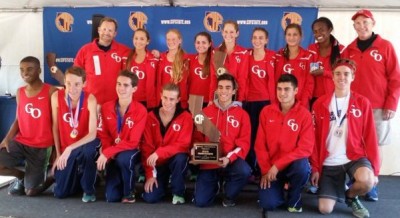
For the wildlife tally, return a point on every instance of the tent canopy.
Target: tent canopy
(38, 4)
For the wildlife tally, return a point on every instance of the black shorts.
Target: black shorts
(36, 161)
(333, 178)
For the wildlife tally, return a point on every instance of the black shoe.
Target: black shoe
(17, 187)
(228, 202)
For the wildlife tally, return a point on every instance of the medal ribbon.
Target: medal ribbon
(73, 122)
(340, 119)
(120, 120)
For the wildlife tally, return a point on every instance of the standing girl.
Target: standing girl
(260, 86)
(142, 63)
(201, 68)
(293, 59)
(236, 57)
(326, 51)
(173, 66)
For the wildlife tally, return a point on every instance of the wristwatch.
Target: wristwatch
(53, 69)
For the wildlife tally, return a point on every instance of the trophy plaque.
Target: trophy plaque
(206, 152)
(219, 61)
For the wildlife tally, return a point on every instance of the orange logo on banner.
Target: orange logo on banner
(290, 17)
(212, 21)
(64, 22)
(137, 20)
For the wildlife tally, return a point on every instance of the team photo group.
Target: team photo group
(286, 120)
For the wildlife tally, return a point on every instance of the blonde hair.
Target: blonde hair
(179, 65)
(235, 26)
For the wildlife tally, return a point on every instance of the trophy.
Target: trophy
(219, 60)
(204, 152)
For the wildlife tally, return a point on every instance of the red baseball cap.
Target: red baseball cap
(363, 12)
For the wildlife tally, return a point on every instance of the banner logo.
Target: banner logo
(289, 18)
(64, 22)
(137, 20)
(212, 21)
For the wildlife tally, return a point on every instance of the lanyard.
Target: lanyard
(73, 122)
(340, 119)
(119, 117)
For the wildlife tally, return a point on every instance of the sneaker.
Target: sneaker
(130, 199)
(141, 179)
(358, 209)
(176, 199)
(372, 195)
(88, 198)
(17, 187)
(295, 209)
(228, 202)
(193, 178)
(312, 189)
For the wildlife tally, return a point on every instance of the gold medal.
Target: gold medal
(117, 140)
(74, 133)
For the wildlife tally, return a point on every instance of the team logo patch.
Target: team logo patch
(139, 73)
(355, 111)
(176, 127)
(129, 122)
(375, 54)
(287, 68)
(293, 125)
(289, 18)
(258, 71)
(232, 121)
(64, 22)
(34, 112)
(212, 21)
(137, 20)
(199, 73)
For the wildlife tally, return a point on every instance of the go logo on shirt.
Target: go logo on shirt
(116, 57)
(176, 127)
(68, 118)
(199, 73)
(238, 59)
(259, 72)
(287, 68)
(355, 111)
(302, 65)
(168, 70)
(293, 125)
(129, 122)
(34, 112)
(140, 74)
(376, 55)
(232, 121)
